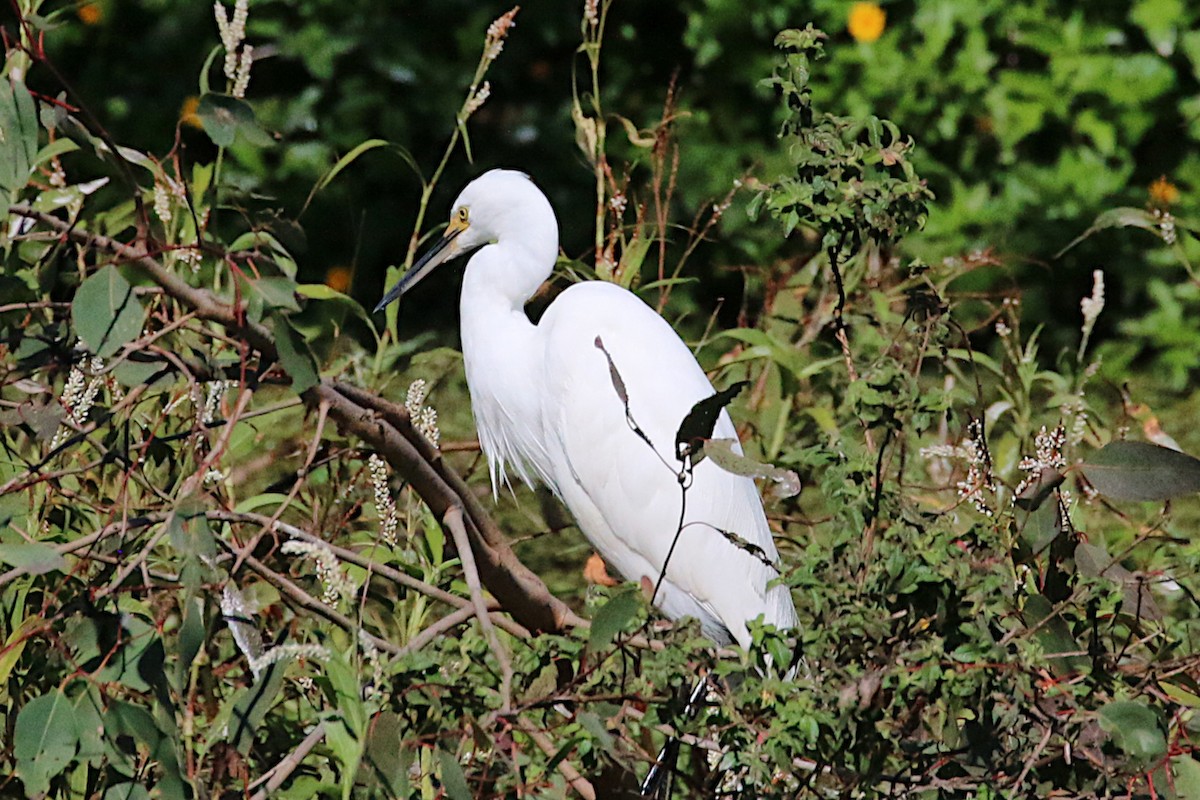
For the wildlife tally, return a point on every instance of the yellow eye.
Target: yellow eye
(463, 214)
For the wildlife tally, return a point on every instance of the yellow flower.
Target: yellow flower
(866, 21)
(187, 112)
(90, 13)
(1163, 193)
(338, 278)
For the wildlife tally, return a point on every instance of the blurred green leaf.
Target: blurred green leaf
(613, 617)
(36, 558)
(1126, 470)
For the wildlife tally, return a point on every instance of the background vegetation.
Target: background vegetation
(250, 547)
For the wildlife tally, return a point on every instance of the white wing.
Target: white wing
(626, 499)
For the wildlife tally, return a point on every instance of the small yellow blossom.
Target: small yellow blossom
(1163, 193)
(866, 22)
(187, 112)
(90, 13)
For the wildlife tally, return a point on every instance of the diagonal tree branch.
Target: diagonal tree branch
(380, 425)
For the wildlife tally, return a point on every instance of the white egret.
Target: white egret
(546, 409)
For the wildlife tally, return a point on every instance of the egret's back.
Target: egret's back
(624, 496)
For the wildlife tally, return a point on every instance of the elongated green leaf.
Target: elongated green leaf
(36, 558)
(454, 781)
(787, 483)
(105, 312)
(612, 617)
(1142, 471)
(342, 163)
(18, 145)
(44, 741)
(1115, 218)
(294, 355)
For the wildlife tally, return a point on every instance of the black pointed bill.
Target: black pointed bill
(440, 252)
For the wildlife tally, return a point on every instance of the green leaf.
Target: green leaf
(1053, 634)
(127, 791)
(612, 617)
(1115, 218)
(252, 706)
(14, 645)
(294, 355)
(105, 312)
(44, 741)
(1187, 777)
(224, 117)
(264, 295)
(342, 163)
(721, 451)
(1093, 561)
(453, 779)
(1134, 728)
(1041, 527)
(319, 291)
(36, 558)
(1142, 471)
(385, 755)
(18, 145)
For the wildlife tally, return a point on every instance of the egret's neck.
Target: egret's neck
(503, 357)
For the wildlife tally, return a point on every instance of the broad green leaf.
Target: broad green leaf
(1054, 635)
(1141, 471)
(1186, 771)
(225, 118)
(1134, 728)
(264, 295)
(454, 781)
(1093, 561)
(105, 312)
(1040, 528)
(612, 617)
(36, 558)
(347, 749)
(44, 741)
(319, 291)
(294, 355)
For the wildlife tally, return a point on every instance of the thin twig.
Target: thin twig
(279, 773)
(453, 519)
(580, 784)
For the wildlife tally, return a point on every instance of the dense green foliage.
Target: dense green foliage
(214, 586)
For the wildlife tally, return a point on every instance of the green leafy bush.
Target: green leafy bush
(236, 540)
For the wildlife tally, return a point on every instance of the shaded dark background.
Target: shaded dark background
(1030, 120)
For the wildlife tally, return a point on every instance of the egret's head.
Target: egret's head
(499, 205)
